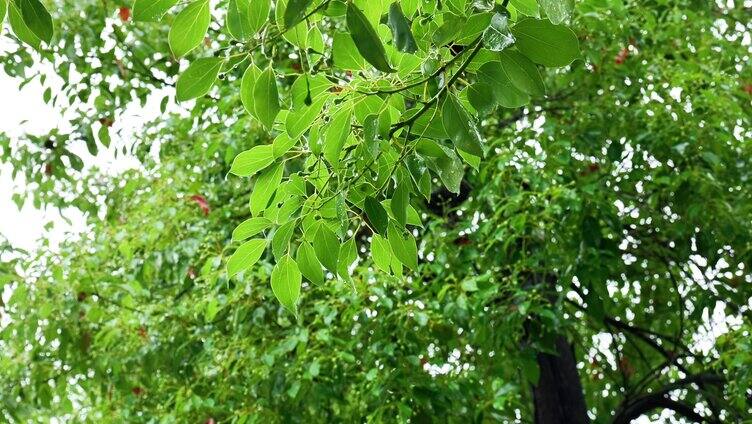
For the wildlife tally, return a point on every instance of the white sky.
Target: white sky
(23, 111)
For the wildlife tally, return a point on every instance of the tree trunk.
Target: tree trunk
(558, 397)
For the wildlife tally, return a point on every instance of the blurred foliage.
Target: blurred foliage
(614, 211)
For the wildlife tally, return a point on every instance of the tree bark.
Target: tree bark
(558, 397)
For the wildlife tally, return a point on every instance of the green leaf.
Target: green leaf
(282, 144)
(189, 28)
(404, 247)
(103, 134)
(259, 14)
(326, 245)
(298, 122)
(545, 43)
(295, 12)
(282, 237)
(249, 228)
(460, 127)
(252, 161)
(239, 19)
(264, 188)
(250, 76)
(457, 6)
(402, 35)
(366, 39)
(481, 97)
(497, 36)
(20, 29)
(286, 282)
(211, 310)
(505, 93)
(309, 265)
(308, 89)
(151, 10)
(400, 202)
(448, 165)
(526, 7)
(522, 73)
(266, 98)
(347, 255)
(475, 25)
(381, 252)
(377, 215)
(336, 135)
(448, 30)
(345, 54)
(3, 11)
(37, 18)
(530, 368)
(245, 256)
(199, 78)
(557, 11)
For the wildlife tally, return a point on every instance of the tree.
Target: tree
(372, 211)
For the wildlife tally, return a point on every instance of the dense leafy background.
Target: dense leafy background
(613, 210)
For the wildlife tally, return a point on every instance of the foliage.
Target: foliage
(433, 192)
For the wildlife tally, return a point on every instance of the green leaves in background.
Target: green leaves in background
(151, 10)
(253, 160)
(199, 78)
(286, 282)
(189, 28)
(460, 127)
(402, 35)
(366, 39)
(245, 256)
(309, 264)
(295, 12)
(545, 43)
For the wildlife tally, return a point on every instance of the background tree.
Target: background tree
(459, 211)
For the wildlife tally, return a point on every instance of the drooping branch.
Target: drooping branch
(660, 399)
(650, 403)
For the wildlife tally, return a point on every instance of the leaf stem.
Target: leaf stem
(407, 122)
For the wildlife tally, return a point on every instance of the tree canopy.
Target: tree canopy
(384, 211)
